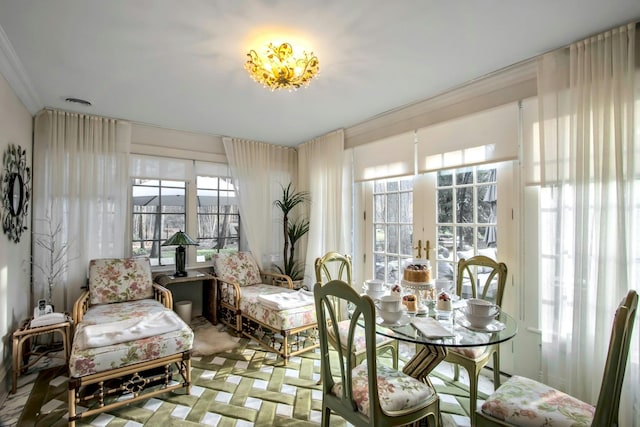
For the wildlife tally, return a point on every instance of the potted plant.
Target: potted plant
(293, 230)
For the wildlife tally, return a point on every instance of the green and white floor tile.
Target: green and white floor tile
(238, 388)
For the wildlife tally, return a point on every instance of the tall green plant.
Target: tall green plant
(293, 229)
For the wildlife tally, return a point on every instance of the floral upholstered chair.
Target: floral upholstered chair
(342, 270)
(264, 306)
(127, 339)
(368, 394)
(524, 402)
(485, 278)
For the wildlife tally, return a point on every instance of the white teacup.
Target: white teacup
(480, 307)
(391, 303)
(374, 285)
(391, 316)
(479, 321)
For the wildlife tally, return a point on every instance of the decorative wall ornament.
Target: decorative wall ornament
(16, 191)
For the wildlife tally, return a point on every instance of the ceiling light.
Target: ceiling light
(279, 68)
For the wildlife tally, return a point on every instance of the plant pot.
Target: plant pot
(297, 284)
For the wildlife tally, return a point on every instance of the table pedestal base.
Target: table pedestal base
(424, 361)
(421, 364)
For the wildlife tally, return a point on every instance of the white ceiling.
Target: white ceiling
(179, 64)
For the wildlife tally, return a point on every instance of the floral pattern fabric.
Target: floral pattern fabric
(238, 267)
(119, 279)
(528, 403)
(359, 340)
(277, 319)
(398, 392)
(91, 360)
(470, 352)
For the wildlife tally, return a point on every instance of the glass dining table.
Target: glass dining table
(432, 348)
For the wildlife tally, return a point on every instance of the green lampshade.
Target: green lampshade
(180, 239)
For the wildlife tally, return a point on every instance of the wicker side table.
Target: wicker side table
(21, 359)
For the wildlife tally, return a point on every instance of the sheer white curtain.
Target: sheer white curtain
(80, 186)
(259, 171)
(590, 174)
(325, 172)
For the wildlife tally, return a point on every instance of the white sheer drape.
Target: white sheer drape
(259, 171)
(326, 174)
(590, 212)
(81, 185)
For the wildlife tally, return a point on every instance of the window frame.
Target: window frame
(191, 175)
(137, 182)
(386, 253)
(197, 214)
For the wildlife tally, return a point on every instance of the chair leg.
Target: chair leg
(473, 395)
(496, 370)
(326, 413)
(456, 372)
(394, 355)
(72, 406)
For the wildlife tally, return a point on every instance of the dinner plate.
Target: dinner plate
(494, 326)
(404, 320)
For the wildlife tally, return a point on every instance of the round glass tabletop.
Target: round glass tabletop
(451, 331)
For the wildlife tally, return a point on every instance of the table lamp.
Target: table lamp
(181, 239)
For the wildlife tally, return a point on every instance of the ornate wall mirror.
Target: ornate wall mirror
(16, 191)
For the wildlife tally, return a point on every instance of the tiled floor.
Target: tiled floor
(11, 409)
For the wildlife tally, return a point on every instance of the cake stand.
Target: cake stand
(418, 287)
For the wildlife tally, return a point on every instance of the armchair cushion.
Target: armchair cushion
(86, 361)
(279, 320)
(238, 268)
(398, 391)
(119, 279)
(526, 402)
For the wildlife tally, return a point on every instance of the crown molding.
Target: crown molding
(498, 88)
(13, 71)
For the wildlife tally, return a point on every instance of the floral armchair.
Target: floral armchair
(264, 306)
(128, 341)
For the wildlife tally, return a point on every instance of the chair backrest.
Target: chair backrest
(363, 313)
(486, 277)
(119, 280)
(237, 267)
(608, 404)
(333, 266)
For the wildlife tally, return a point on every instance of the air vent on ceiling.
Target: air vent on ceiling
(78, 101)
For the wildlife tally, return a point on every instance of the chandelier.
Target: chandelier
(278, 68)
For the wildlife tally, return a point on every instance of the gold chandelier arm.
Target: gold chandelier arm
(278, 68)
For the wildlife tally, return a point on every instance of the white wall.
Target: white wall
(16, 127)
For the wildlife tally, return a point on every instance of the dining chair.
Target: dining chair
(334, 265)
(390, 397)
(486, 279)
(524, 402)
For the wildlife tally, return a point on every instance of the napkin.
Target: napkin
(430, 327)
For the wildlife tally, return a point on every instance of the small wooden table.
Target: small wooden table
(21, 359)
(208, 289)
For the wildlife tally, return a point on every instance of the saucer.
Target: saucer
(404, 320)
(494, 326)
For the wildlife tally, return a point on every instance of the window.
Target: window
(392, 226)
(466, 216)
(197, 197)
(218, 216)
(159, 211)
